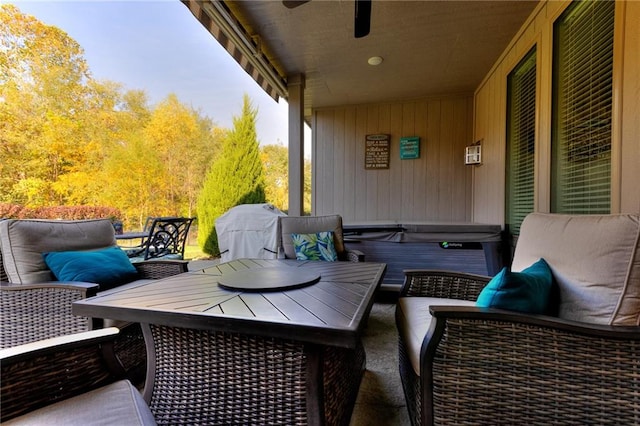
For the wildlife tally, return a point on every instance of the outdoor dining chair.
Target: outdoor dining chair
(166, 239)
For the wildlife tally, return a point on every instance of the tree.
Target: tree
(48, 106)
(307, 187)
(275, 159)
(165, 151)
(68, 139)
(236, 177)
(186, 145)
(132, 170)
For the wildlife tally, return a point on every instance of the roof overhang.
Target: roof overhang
(430, 48)
(245, 48)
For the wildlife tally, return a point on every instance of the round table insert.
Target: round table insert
(268, 279)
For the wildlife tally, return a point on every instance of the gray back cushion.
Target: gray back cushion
(22, 243)
(310, 225)
(594, 259)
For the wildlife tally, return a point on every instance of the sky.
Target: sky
(158, 46)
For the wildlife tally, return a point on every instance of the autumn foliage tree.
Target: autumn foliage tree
(236, 177)
(44, 103)
(68, 139)
(275, 159)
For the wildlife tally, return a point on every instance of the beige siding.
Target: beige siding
(437, 186)
(490, 114)
(630, 111)
(434, 187)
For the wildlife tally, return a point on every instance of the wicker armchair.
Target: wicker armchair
(69, 380)
(312, 224)
(35, 307)
(462, 364)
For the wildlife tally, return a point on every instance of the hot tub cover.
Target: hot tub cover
(423, 232)
(248, 231)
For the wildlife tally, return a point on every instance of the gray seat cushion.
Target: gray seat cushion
(413, 320)
(116, 404)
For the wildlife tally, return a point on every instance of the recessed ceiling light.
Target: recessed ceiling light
(375, 60)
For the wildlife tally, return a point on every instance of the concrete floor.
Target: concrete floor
(381, 399)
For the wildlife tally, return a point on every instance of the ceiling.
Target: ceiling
(428, 47)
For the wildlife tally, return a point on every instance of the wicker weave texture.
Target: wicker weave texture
(354, 256)
(44, 380)
(410, 385)
(219, 378)
(445, 285)
(47, 310)
(153, 270)
(3, 273)
(131, 351)
(343, 370)
(489, 372)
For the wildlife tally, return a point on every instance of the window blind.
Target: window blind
(582, 102)
(521, 116)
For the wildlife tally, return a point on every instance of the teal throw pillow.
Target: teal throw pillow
(318, 246)
(527, 291)
(108, 267)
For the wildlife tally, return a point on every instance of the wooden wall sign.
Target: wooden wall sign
(376, 152)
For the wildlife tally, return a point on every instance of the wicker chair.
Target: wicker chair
(581, 365)
(36, 307)
(69, 380)
(311, 224)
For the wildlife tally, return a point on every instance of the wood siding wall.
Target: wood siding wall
(434, 187)
(490, 114)
(438, 187)
(628, 108)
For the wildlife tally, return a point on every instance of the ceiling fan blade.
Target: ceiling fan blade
(291, 4)
(362, 18)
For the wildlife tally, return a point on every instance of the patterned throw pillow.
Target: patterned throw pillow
(318, 246)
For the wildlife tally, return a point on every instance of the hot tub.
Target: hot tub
(463, 247)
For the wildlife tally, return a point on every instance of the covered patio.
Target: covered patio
(394, 113)
(441, 76)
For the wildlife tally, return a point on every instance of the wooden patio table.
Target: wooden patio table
(221, 354)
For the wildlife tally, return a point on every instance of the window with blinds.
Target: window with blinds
(582, 102)
(521, 117)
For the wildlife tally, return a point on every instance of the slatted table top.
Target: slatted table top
(331, 311)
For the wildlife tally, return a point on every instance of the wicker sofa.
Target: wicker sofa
(579, 363)
(35, 306)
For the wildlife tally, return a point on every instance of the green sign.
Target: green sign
(410, 148)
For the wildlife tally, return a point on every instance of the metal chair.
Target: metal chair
(167, 239)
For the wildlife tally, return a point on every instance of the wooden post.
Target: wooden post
(295, 86)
